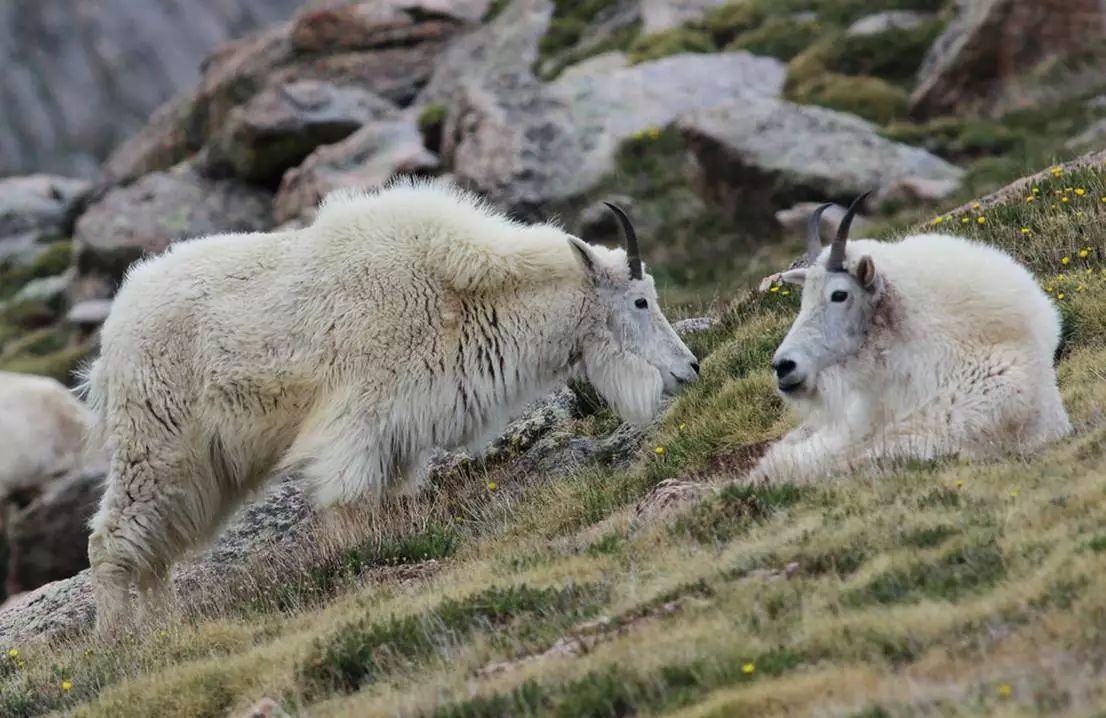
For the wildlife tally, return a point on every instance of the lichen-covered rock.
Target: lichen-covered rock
(765, 152)
(34, 211)
(990, 41)
(366, 159)
(283, 124)
(145, 217)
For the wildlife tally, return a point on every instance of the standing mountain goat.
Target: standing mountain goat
(934, 345)
(400, 320)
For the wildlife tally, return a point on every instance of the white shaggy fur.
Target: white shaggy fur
(400, 320)
(944, 347)
(42, 432)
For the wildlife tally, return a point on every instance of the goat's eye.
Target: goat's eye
(839, 296)
(641, 303)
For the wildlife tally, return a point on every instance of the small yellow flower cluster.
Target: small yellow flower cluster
(1057, 171)
(652, 133)
(67, 686)
(659, 451)
(492, 486)
(749, 668)
(780, 289)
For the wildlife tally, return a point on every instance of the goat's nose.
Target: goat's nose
(695, 366)
(783, 367)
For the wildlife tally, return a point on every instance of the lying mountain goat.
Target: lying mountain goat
(42, 433)
(400, 320)
(931, 346)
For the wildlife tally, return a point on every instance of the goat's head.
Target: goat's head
(633, 356)
(840, 298)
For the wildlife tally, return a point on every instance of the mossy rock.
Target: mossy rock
(868, 97)
(781, 38)
(670, 42)
(958, 139)
(894, 55)
(53, 259)
(27, 314)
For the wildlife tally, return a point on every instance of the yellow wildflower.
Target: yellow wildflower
(492, 486)
(1083, 253)
(13, 653)
(66, 686)
(981, 220)
(1029, 199)
(1059, 295)
(1036, 190)
(1065, 200)
(654, 133)
(683, 426)
(785, 293)
(1003, 689)
(938, 220)
(1049, 290)
(964, 220)
(1080, 288)
(748, 668)
(775, 288)
(1079, 191)
(1065, 260)
(959, 484)
(975, 205)
(637, 136)
(1025, 230)
(659, 451)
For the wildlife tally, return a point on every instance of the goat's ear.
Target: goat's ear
(587, 259)
(794, 276)
(866, 272)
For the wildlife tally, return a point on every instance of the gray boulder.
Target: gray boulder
(366, 159)
(767, 152)
(281, 125)
(525, 144)
(34, 211)
(145, 217)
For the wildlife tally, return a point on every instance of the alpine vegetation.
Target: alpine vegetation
(400, 320)
(931, 346)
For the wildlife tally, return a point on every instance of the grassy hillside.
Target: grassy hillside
(945, 588)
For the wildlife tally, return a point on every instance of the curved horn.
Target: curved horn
(836, 261)
(633, 253)
(814, 233)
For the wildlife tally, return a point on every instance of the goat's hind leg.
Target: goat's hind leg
(153, 509)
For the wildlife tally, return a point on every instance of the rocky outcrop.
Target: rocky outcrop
(364, 160)
(79, 78)
(526, 144)
(991, 41)
(379, 48)
(147, 216)
(773, 153)
(34, 211)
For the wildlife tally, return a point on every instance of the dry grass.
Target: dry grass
(946, 588)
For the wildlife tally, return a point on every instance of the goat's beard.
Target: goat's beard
(632, 386)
